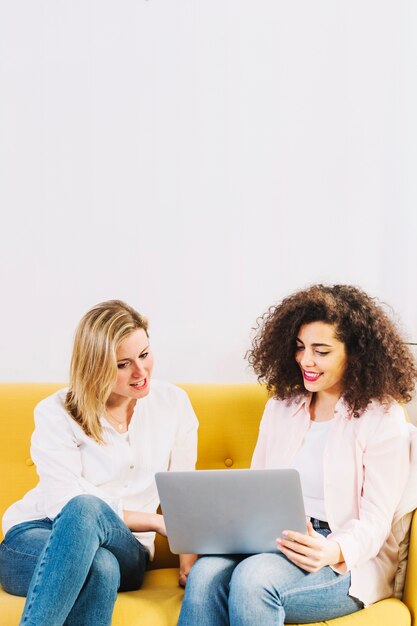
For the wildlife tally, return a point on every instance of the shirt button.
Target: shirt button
(131, 466)
(228, 462)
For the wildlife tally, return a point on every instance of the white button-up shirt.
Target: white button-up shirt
(162, 435)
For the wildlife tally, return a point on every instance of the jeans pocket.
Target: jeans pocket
(16, 570)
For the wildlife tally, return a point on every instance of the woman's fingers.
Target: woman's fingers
(307, 559)
(310, 552)
(306, 538)
(313, 552)
(309, 563)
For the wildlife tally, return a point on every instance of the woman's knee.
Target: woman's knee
(85, 506)
(105, 570)
(209, 572)
(258, 574)
(207, 590)
(256, 588)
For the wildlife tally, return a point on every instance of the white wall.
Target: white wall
(200, 160)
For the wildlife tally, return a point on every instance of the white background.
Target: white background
(200, 160)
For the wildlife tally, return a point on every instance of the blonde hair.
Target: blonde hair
(93, 370)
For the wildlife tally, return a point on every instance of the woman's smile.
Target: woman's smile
(140, 385)
(311, 376)
(318, 347)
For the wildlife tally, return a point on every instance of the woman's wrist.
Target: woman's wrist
(159, 524)
(336, 556)
(144, 522)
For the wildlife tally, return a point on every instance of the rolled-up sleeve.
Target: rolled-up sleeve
(386, 464)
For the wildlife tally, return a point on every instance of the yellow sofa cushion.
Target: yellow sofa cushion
(158, 603)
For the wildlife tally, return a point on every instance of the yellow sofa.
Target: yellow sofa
(229, 417)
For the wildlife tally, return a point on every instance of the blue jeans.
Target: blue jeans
(71, 568)
(262, 589)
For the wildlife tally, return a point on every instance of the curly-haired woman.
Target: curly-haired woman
(87, 529)
(337, 368)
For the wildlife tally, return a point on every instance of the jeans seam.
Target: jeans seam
(36, 585)
(324, 585)
(6, 547)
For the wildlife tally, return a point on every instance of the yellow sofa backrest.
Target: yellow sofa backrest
(229, 418)
(17, 471)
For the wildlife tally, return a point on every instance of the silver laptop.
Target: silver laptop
(230, 511)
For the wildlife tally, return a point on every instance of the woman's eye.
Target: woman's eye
(144, 355)
(121, 366)
(322, 353)
(298, 348)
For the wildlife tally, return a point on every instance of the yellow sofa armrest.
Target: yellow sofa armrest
(410, 589)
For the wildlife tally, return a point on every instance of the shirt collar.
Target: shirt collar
(341, 409)
(302, 403)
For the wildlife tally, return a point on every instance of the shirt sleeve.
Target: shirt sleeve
(55, 452)
(184, 450)
(386, 463)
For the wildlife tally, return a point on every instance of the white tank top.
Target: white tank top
(309, 462)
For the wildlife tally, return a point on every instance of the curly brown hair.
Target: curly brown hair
(379, 366)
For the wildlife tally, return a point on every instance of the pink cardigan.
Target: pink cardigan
(366, 467)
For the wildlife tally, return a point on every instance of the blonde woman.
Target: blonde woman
(87, 529)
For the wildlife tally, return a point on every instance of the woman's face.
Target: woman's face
(134, 363)
(322, 358)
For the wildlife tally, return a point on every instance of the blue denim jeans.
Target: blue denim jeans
(71, 568)
(262, 589)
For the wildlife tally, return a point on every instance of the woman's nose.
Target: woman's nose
(307, 358)
(139, 369)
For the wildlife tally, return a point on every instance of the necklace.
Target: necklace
(120, 425)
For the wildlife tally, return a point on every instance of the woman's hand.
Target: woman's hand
(186, 563)
(159, 524)
(143, 522)
(309, 551)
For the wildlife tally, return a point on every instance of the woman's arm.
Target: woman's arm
(386, 462)
(143, 522)
(386, 466)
